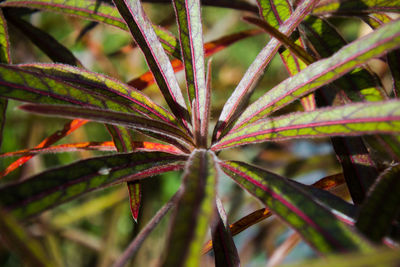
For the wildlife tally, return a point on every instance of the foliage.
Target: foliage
(331, 94)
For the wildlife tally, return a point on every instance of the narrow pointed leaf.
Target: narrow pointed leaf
(382, 205)
(210, 49)
(98, 146)
(144, 35)
(257, 216)
(316, 224)
(68, 128)
(194, 210)
(242, 92)
(355, 7)
(15, 237)
(4, 58)
(225, 252)
(275, 13)
(123, 141)
(103, 85)
(295, 48)
(349, 120)
(56, 186)
(135, 197)
(191, 37)
(158, 128)
(134, 246)
(324, 71)
(95, 10)
(45, 42)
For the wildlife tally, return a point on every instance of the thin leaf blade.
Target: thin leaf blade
(317, 225)
(381, 206)
(144, 35)
(194, 210)
(353, 55)
(242, 92)
(349, 120)
(56, 186)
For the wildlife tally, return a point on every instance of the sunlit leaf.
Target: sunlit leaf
(56, 186)
(194, 210)
(349, 120)
(103, 85)
(158, 61)
(316, 224)
(191, 37)
(355, 7)
(239, 97)
(324, 71)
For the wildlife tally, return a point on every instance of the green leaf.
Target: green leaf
(191, 37)
(235, 103)
(194, 210)
(382, 205)
(158, 129)
(15, 237)
(359, 85)
(4, 58)
(355, 7)
(56, 186)
(324, 71)
(4, 42)
(97, 11)
(275, 12)
(157, 60)
(314, 222)
(349, 120)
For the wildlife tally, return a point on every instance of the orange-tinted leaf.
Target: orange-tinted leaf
(68, 128)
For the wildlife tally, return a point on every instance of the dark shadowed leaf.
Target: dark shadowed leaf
(45, 42)
(4, 58)
(381, 206)
(56, 186)
(18, 240)
(225, 252)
